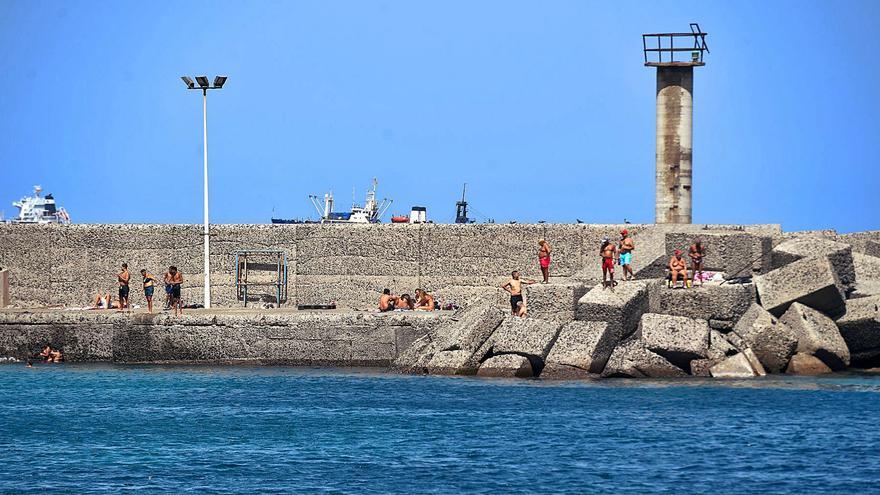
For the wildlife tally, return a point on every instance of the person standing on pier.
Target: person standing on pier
(175, 279)
(696, 253)
(608, 252)
(544, 259)
(123, 277)
(626, 248)
(149, 287)
(514, 288)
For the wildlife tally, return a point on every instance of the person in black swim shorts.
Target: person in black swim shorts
(123, 277)
(514, 287)
(175, 279)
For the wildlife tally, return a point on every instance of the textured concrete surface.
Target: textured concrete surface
(631, 359)
(806, 364)
(860, 329)
(338, 339)
(675, 99)
(506, 366)
(809, 281)
(719, 304)
(527, 337)
(817, 335)
(678, 339)
(581, 350)
(736, 366)
(737, 254)
(621, 307)
(556, 301)
(773, 342)
(839, 254)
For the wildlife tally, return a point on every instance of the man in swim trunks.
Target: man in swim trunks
(696, 253)
(123, 277)
(544, 259)
(167, 279)
(149, 286)
(386, 301)
(626, 248)
(608, 252)
(514, 288)
(677, 269)
(175, 278)
(424, 301)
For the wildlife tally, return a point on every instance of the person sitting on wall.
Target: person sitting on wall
(404, 303)
(424, 301)
(386, 301)
(677, 269)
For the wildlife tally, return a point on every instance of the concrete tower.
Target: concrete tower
(675, 108)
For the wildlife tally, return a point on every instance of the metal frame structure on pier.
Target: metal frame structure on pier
(242, 267)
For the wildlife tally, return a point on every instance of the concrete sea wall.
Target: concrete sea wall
(346, 264)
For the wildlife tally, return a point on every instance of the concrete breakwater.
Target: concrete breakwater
(348, 264)
(279, 337)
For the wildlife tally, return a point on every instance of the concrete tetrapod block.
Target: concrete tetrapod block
(621, 307)
(805, 364)
(556, 301)
(773, 342)
(677, 338)
(529, 337)
(737, 366)
(506, 365)
(582, 349)
(810, 281)
(860, 329)
(838, 253)
(631, 359)
(713, 302)
(817, 335)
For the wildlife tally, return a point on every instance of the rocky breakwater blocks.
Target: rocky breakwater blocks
(506, 366)
(556, 301)
(719, 304)
(742, 365)
(582, 349)
(817, 335)
(774, 343)
(810, 281)
(737, 254)
(528, 337)
(621, 308)
(860, 329)
(678, 339)
(457, 339)
(806, 364)
(839, 254)
(631, 359)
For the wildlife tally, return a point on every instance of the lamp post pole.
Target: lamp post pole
(204, 85)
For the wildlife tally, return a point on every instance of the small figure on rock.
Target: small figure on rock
(123, 277)
(626, 248)
(544, 259)
(424, 301)
(149, 287)
(521, 310)
(677, 269)
(52, 355)
(696, 253)
(514, 288)
(608, 252)
(387, 301)
(174, 278)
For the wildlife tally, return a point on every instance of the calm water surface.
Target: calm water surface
(111, 429)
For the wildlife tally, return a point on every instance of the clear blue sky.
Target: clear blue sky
(543, 108)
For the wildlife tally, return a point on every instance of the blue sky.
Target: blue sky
(543, 108)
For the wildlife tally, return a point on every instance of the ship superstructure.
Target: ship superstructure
(39, 209)
(370, 212)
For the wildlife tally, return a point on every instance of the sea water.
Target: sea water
(146, 429)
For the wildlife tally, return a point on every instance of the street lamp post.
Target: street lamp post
(204, 85)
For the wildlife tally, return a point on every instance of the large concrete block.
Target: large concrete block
(737, 366)
(774, 343)
(720, 346)
(867, 268)
(506, 366)
(806, 364)
(556, 301)
(860, 329)
(452, 363)
(528, 337)
(737, 254)
(713, 302)
(809, 281)
(582, 349)
(621, 308)
(817, 335)
(839, 254)
(678, 339)
(631, 359)
(867, 243)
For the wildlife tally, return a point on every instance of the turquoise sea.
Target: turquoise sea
(168, 429)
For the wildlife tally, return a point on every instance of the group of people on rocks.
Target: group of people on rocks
(172, 278)
(404, 302)
(621, 253)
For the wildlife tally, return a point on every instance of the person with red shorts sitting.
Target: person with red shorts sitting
(544, 259)
(608, 251)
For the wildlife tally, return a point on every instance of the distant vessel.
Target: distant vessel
(370, 212)
(40, 210)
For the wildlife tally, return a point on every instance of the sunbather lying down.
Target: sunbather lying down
(103, 301)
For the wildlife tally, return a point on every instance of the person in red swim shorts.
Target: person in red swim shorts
(608, 251)
(544, 259)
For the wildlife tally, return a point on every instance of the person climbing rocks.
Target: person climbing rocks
(626, 248)
(608, 252)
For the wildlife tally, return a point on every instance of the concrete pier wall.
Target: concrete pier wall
(348, 264)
